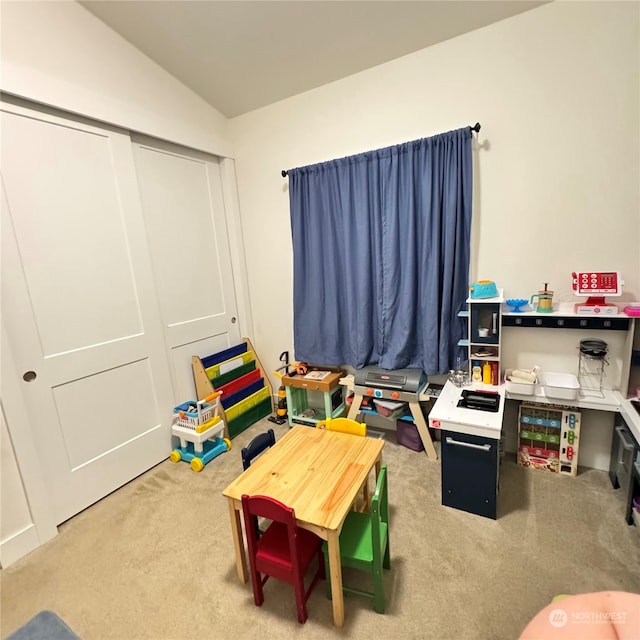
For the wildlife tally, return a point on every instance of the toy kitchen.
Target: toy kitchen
(470, 422)
(469, 411)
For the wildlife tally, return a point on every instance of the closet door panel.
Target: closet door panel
(186, 230)
(80, 306)
(177, 206)
(67, 186)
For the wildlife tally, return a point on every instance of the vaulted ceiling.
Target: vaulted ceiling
(241, 55)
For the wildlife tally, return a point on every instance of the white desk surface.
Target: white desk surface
(567, 310)
(610, 401)
(488, 423)
(447, 415)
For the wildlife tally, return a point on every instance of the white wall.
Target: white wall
(556, 90)
(59, 54)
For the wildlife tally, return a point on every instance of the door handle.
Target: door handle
(482, 447)
(29, 376)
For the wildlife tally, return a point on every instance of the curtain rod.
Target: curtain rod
(476, 127)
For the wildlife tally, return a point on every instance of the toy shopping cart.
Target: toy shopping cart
(199, 428)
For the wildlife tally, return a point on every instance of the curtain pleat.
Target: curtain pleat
(381, 245)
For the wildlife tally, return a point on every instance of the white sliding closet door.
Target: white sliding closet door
(186, 230)
(80, 306)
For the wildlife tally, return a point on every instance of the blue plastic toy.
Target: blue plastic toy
(517, 303)
(197, 459)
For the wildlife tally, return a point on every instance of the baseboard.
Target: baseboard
(18, 545)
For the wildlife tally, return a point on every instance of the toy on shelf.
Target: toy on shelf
(287, 370)
(549, 438)
(545, 300)
(290, 369)
(517, 304)
(284, 370)
(199, 428)
(281, 409)
(595, 285)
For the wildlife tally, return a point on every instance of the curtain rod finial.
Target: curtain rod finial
(284, 173)
(476, 127)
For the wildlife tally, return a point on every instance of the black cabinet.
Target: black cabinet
(624, 451)
(554, 321)
(470, 466)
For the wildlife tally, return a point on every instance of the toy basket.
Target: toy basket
(198, 415)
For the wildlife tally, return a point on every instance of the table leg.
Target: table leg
(366, 498)
(238, 542)
(291, 407)
(335, 567)
(423, 430)
(354, 410)
(365, 493)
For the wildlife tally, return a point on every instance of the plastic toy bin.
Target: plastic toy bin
(562, 386)
(187, 414)
(521, 388)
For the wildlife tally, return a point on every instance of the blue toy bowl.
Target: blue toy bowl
(516, 303)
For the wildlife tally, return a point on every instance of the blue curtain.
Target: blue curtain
(381, 255)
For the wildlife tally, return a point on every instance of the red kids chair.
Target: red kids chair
(284, 551)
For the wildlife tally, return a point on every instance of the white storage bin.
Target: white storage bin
(518, 388)
(390, 409)
(562, 386)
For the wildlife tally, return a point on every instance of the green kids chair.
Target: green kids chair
(364, 543)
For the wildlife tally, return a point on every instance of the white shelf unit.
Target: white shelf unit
(484, 327)
(595, 392)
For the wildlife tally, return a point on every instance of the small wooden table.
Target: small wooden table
(297, 390)
(319, 474)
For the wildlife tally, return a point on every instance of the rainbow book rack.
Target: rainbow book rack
(238, 374)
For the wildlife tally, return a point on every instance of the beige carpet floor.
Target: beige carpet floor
(154, 560)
